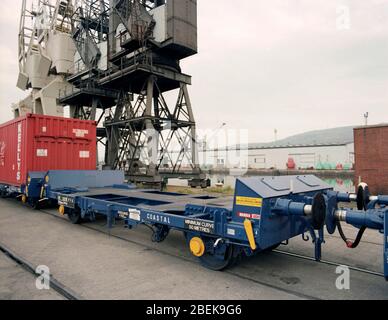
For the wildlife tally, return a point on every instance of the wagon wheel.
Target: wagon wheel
(217, 259)
(74, 216)
(220, 261)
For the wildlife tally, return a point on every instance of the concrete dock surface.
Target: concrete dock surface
(18, 284)
(127, 265)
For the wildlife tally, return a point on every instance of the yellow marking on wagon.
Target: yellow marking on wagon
(249, 202)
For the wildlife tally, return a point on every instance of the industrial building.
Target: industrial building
(371, 157)
(321, 149)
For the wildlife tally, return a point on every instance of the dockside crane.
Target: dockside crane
(113, 61)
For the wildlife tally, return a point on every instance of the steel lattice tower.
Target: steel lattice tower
(113, 62)
(142, 44)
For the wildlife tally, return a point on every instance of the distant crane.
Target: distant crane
(206, 140)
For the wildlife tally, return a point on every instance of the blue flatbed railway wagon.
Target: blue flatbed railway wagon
(263, 213)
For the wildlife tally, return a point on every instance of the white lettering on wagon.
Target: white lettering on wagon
(231, 232)
(158, 218)
(19, 153)
(134, 214)
(199, 226)
(66, 201)
(249, 215)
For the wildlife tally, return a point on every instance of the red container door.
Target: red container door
(62, 144)
(59, 154)
(13, 152)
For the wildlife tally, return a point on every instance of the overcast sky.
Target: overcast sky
(293, 65)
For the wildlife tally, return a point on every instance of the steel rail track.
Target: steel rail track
(263, 283)
(298, 256)
(72, 296)
(287, 253)
(57, 286)
(352, 238)
(330, 263)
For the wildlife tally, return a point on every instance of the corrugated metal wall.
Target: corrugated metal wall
(42, 143)
(12, 151)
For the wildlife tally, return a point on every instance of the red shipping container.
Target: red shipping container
(42, 143)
